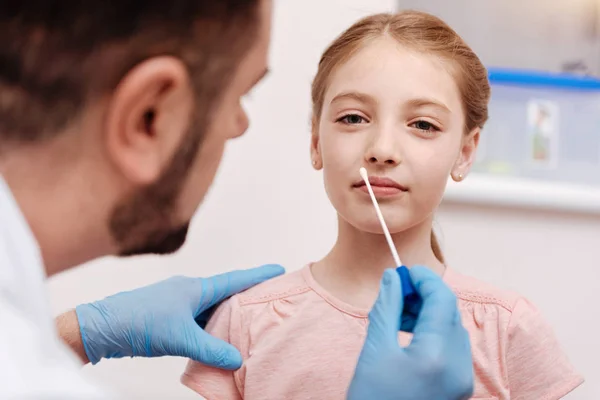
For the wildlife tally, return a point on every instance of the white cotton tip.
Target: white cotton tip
(364, 175)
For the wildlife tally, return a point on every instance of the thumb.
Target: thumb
(211, 351)
(215, 289)
(384, 318)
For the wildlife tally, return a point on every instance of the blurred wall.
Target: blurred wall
(268, 205)
(539, 34)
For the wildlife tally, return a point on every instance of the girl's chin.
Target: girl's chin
(373, 226)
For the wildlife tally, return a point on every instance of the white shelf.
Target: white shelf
(524, 193)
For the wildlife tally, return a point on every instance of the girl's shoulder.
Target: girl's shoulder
(475, 291)
(512, 342)
(285, 286)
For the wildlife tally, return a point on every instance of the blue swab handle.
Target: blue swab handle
(412, 301)
(408, 290)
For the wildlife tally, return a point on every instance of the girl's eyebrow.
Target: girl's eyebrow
(412, 103)
(428, 102)
(358, 96)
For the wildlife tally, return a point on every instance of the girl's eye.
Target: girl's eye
(351, 119)
(425, 126)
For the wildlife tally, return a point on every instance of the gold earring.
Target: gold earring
(314, 163)
(460, 177)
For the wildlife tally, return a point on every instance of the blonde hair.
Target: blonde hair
(420, 32)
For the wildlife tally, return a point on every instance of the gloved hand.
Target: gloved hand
(437, 364)
(164, 319)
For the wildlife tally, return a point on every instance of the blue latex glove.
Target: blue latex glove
(166, 319)
(436, 365)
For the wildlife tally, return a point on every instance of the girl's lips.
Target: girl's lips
(381, 186)
(381, 191)
(381, 183)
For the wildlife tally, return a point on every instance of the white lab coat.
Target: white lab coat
(34, 363)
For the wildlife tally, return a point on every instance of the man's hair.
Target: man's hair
(58, 55)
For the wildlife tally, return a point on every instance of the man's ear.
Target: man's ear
(148, 115)
(466, 157)
(315, 149)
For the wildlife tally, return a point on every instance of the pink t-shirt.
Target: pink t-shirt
(299, 342)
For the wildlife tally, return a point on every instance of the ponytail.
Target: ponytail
(435, 246)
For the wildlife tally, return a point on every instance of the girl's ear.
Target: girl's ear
(315, 147)
(467, 154)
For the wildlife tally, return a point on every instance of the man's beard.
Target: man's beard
(145, 222)
(160, 243)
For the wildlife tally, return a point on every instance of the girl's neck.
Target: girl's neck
(353, 268)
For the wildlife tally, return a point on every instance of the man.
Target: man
(113, 121)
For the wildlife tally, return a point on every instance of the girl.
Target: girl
(403, 96)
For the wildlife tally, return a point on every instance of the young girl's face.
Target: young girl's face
(398, 113)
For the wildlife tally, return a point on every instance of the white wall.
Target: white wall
(266, 189)
(539, 34)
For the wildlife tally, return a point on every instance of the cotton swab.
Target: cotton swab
(386, 232)
(412, 300)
